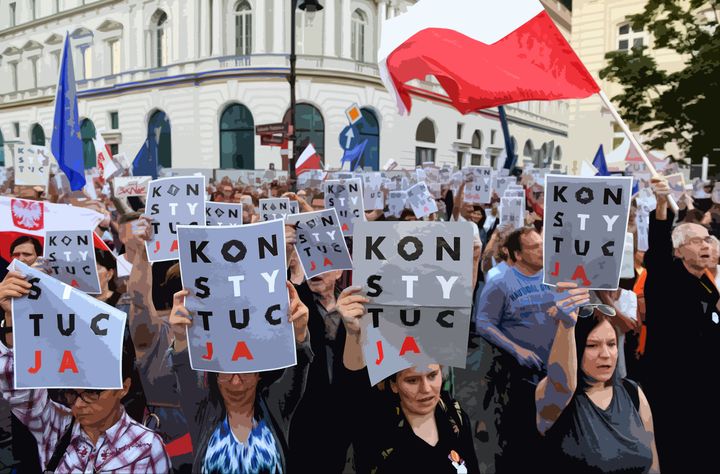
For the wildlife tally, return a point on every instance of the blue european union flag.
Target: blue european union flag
(145, 162)
(66, 143)
(600, 164)
(353, 155)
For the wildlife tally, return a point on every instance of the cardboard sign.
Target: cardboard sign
(239, 298)
(646, 202)
(627, 270)
(373, 196)
(677, 185)
(421, 201)
(32, 165)
(277, 208)
(126, 186)
(171, 202)
(64, 338)
(70, 255)
(512, 211)
(223, 213)
(418, 276)
(479, 190)
(501, 183)
(346, 197)
(585, 225)
(397, 201)
(320, 244)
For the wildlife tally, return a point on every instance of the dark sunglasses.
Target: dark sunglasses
(588, 310)
(88, 396)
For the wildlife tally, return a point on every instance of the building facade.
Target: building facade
(198, 75)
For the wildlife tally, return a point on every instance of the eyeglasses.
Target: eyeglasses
(228, 377)
(587, 310)
(699, 240)
(88, 396)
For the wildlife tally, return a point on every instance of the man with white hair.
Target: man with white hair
(713, 268)
(681, 350)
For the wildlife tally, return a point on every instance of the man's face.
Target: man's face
(696, 250)
(532, 250)
(25, 253)
(92, 407)
(325, 283)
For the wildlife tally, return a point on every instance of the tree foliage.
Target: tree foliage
(680, 106)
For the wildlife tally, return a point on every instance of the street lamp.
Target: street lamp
(310, 6)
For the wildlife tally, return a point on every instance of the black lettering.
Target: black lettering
(269, 312)
(83, 240)
(558, 193)
(584, 200)
(372, 282)
(617, 198)
(607, 248)
(71, 324)
(197, 251)
(205, 315)
(200, 285)
(454, 252)
(410, 257)
(372, 248)
(558, 241)
(156, 191)
(375, 312)
(404, 319)
(230, 245)
(264, 245)
(94, 324)
(245, 320)
(558, 219)
(441, 319)
(36, 317)
(193, 189)
(585, 250)
(35, 290)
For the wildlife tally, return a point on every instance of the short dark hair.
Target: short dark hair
(513, 242)
(25, 239)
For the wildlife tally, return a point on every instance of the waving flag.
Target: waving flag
(309, 159)
(145, 162)
(66, 143)
(353, 155)
(484, 54)
(600, 164)
(105, 163)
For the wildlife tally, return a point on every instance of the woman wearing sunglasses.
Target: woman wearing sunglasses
(592, 420)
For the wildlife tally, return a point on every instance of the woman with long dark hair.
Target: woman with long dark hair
(592, 420)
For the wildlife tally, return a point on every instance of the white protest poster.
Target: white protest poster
(512, 211)
(223, 213)
(373, 197)
(70, 255)
(126, 186)
(676, 182)
(319, 242)
(397, 201)
(479, 190)
(418, 276)
(239, 299)
(346, 197)
(421, 201)
(645, 204)
(584, 233)
(627, 270)
(171, 202)
(32, 165)
(64, 338)
(277, 208)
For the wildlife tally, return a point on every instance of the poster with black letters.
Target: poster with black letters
(421, 201)
(64, 338)
(178, 200)
(479, 189)
(70, 257)
(238, 299)
(512, 211)
(397, 201)
(584, 234)
(319, 242)
(418, 276)
(32, 165)
(223, 213)
(373, 196)
(501, 183)
(277, 208)
(347, 199)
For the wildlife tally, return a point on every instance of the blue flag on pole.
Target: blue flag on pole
(145, 162)
(599, 163)
(66, 143)
(353, 155)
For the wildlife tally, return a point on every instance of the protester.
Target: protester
(26, 249)
(593, 420)
(410, 426)
(241, 421)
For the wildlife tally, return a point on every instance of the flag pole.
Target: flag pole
(635, 143)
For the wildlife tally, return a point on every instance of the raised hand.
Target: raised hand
(180, 319)
(298, 314)
(351, 306)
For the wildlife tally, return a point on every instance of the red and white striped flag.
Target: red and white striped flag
(105, 163)
(309, 159)
(484, 53)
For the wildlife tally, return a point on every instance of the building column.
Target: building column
(216, 39)
(278, 45)
(329, 29)
(203, 30)
(259, 32)
(345, 28)
(141, 35)
(381, 17)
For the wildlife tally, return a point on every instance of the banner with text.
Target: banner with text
(319, 242)
(70, 257)
(345, 195)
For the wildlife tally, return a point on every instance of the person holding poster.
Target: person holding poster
(593, 420)
(91, 431)
(241, 420)
(406, 424)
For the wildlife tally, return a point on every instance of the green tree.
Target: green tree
(681, 106)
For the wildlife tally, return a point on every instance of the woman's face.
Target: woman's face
(419, 391)
(601, 353)
(104, 275)
(236, 388)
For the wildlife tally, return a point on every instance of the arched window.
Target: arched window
(476, 144)
(37, 135)
(357, 37)
(370, 131)
(528, 149)
(87, 133)
(309, 128)
(557, 158)
(425, 133)
(160, 139)
(237, 138)
(243, 29)
(2, 149)
(159, 39)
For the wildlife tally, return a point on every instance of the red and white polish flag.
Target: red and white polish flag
(105, 163)
(484, 53)
(309, 159)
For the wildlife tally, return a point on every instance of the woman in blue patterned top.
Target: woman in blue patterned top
(241, 421)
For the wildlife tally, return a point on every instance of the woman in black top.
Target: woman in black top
(593, 422)
(409, 426)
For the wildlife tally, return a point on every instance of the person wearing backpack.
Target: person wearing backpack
(409, 425)
(591, 419)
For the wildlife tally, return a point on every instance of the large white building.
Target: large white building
(197, 76)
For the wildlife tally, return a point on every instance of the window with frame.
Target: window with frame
(114, 120)
(159, 39)
(13, 10)
(114, 56)
(630, 37)
(243, 29)
(357, 38)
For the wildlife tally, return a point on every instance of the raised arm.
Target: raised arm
(458, 201)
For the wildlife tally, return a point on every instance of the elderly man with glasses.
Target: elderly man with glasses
(682, 341)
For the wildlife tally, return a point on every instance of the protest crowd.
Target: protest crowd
(338, 384)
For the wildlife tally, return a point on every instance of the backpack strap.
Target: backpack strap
(632, 390)
(60, 448)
